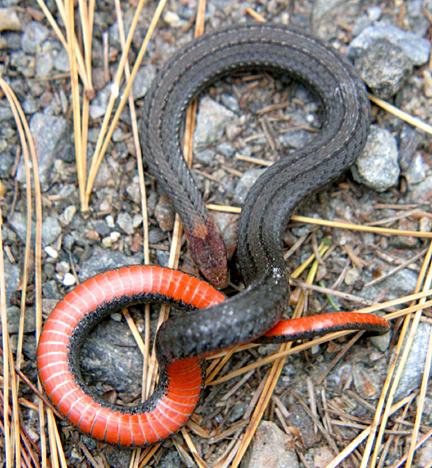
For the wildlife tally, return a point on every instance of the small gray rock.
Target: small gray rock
(416, 172)
(212, 119)
(422, 192)
(205, 156)
(99, 104)
(106, 259)
(377, 167)
(34, 34)
(12, 277)
(245, 183)
(143, 80)
(414, 367)
(51, 139)
(51, 229)
(400, 284)
(271, 448)
(415, 47)
(384, 68)
(326, 12)
(124, 220)
(14, 316)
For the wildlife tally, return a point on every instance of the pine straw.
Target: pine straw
(10, 380)
(80, 69)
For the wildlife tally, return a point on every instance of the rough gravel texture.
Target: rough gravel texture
(258, 116)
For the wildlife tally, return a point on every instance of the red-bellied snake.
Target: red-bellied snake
(256, 312)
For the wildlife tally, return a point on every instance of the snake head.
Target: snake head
(208, 252)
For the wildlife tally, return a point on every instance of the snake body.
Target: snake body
(255, 313)
(275, 194)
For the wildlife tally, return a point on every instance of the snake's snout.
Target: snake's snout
(209, 253)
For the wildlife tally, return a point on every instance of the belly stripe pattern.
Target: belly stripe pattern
(253, 314)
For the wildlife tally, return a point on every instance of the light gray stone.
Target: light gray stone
(50, 134)
(415, 47)
(271, 448)
(384, 67)
(414, 367)
(245, 183)
(377, 167)
(124, 220)
(143, 80)
(212, 119)
(34, 35)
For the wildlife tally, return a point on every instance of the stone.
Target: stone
(51, 229)
(416, 171)
(212, 119)
(415, 47)
(9, 20)
(124, 220)
(377, 167)
(422, 192)
(400, 284)
(245, 183)
(384, 67)
(271, 448)
(415, 365)
(34, 35)
(51, 138)
(143, 80)
(103, 260)
(325, 14)
(164, 214)
(99, 103)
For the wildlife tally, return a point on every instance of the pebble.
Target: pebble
(50, 134)
(325, 15)
(69, 279)
(424, 454)
(381, 342)
(143, 80)
(103, 260)
(68, 214)
(416, 171)
(383, 67)
(14, 317)
(34, 35)
(124, 220)
(322, 456)
(377, 167)
(227, 224)
(164, 213)
(51, 251)
(271, 448)
(414, 367)
(99, 103)
(245, 183)
(400, 284)
(9, 20)
(422, 192)
(212, 119)
(12, 278)
(50, 228)
(414, 47)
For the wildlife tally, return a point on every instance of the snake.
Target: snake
(255, 313)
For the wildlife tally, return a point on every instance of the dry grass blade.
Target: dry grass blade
(335, 224)
(102, 145)
(394, 373)
(38, 239)
(414, 121)
(7, 429)
(274, 373)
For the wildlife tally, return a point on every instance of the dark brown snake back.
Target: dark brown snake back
(276, 193)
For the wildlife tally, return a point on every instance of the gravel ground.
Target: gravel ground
(259, 116)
